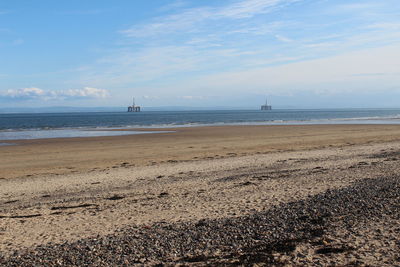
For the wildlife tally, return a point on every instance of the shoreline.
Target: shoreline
(151, 129)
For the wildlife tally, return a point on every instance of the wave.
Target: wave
(393, 117)
(230, 120)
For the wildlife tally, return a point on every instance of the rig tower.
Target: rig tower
(133, 108)
(266, 106)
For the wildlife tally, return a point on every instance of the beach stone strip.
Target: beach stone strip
(260, 238)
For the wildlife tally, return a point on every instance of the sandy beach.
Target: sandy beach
(225, 195)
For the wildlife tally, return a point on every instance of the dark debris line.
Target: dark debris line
(231, 241)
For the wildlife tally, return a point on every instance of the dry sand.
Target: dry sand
(68, 189)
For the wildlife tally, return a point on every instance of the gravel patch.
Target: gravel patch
(270, 237)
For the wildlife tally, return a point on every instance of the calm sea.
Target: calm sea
(47, 125)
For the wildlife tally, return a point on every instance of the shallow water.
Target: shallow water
(66, 133)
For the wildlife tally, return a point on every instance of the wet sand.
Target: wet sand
(72, 155)
(211, 195)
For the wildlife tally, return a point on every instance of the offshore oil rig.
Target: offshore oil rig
(133, 108)
(266, 106)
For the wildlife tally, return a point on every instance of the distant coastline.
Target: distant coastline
(67, 109)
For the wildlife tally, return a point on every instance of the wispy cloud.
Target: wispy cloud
(150, 97)
(367, 5)
(37, 93)
(195, 19)
(373, 74)
(250, 8)
(86, 92)
(193, 97)
(253, 45)
(283, 38)
(385, 26)
(169, 24)
(360, 71)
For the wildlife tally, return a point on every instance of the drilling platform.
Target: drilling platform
(266, 106)
(133, 108)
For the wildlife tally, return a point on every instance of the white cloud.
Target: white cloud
(192, 97)
(87, 92)
(149, 97)
(37, 93)
(31, 92)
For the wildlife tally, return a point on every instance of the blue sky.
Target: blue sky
(299, 53)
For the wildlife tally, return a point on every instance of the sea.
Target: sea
(17, 126)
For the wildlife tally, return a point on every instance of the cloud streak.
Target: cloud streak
(32, 93)
(235, 46)
(361, 71)
(250, 8)
(194, 20)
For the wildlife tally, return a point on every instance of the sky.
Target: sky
(200, 53)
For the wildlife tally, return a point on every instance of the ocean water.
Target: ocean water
(48, 125)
